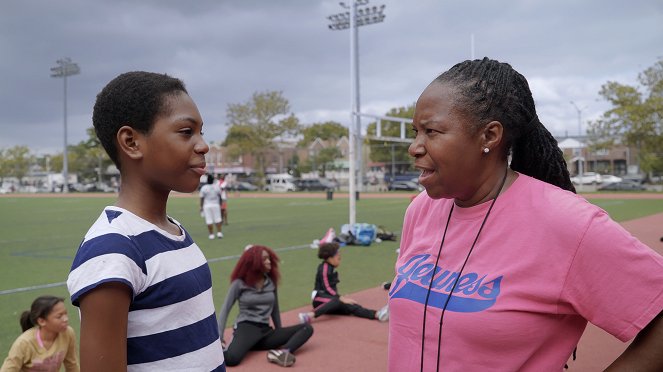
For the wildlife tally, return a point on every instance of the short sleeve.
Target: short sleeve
(103, 259)
(614, 281)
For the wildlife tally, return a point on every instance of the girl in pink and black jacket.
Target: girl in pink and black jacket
(326, 299)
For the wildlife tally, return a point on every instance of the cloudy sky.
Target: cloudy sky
(225, 50)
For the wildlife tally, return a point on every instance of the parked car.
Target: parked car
(609, 178)
(243, 186)
(588, 178)
(314, 184)
(622, 186)
(281, 182)
(405, 185)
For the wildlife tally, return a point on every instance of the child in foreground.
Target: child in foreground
(143, 286)
(326, 299)
(47, 340)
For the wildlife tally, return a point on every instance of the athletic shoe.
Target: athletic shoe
(219, 235)
(304, 318)
(284, 358)
(383, 313)
(211, 236)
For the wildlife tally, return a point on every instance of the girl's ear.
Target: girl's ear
(41, 322)
(491, 135)
(128, 142)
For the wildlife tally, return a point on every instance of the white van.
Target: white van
(282, 182)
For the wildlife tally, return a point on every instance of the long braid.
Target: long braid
(491, 90)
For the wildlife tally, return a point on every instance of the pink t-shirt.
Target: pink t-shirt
(546, 262)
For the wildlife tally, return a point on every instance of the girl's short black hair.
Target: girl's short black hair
(135, 99)
(327, 250)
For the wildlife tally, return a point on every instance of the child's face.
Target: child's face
(57, 320)
(174, 150)
(335, 260)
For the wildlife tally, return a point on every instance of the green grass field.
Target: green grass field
(40, 237)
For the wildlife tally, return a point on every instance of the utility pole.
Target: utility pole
(352, 19)
(65, 68)
(579, 110)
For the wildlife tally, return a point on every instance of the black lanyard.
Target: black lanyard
(460, 273)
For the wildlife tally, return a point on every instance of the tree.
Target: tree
(17, 161)
(255, 124)
(325, 131)
(4, 165)
(87, 159)
(330, 132)
(635, 117)
(390, 152)
(326, 156)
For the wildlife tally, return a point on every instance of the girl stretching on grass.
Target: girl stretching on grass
(253, 284)
(326, 299)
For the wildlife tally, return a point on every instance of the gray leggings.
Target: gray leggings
(258, 336)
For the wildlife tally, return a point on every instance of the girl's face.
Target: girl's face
(57, 320)
(173, 152)
(335, 260)
(266, 262)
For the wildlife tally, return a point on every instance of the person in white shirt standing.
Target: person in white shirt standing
(210, 206)
(223, 184)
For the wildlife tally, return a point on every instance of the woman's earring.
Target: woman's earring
(486, 150)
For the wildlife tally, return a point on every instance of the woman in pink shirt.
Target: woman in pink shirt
(501, 264)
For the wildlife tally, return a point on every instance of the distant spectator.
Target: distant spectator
(210, 206)
(223, 185)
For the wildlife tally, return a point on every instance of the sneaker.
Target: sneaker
(284, 358)
(383, 313)
(211, 236)
(219, 235)
(304, 318)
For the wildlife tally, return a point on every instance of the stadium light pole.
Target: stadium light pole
(65, 68)
(579, 110)
(352, 19)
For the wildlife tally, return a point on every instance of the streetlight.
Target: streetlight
(65, 68)
(352, 19)
(579, 110)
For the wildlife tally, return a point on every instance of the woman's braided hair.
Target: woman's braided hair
(491, 90)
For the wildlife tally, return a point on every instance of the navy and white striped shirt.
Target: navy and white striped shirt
(172, 323)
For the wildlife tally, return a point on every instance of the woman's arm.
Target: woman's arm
(104, 319)
(276, 313)
(231, 297)
(645, 352)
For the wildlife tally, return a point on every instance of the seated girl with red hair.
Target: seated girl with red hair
(253, 285)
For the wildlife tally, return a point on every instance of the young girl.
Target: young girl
(47, 340)
(253, 284)
(326, 299)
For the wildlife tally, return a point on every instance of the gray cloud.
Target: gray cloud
(226, 50)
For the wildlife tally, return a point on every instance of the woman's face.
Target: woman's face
(448, 156)
(57, 320)
(266, 262)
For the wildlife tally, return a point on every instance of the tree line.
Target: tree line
(255, 127)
